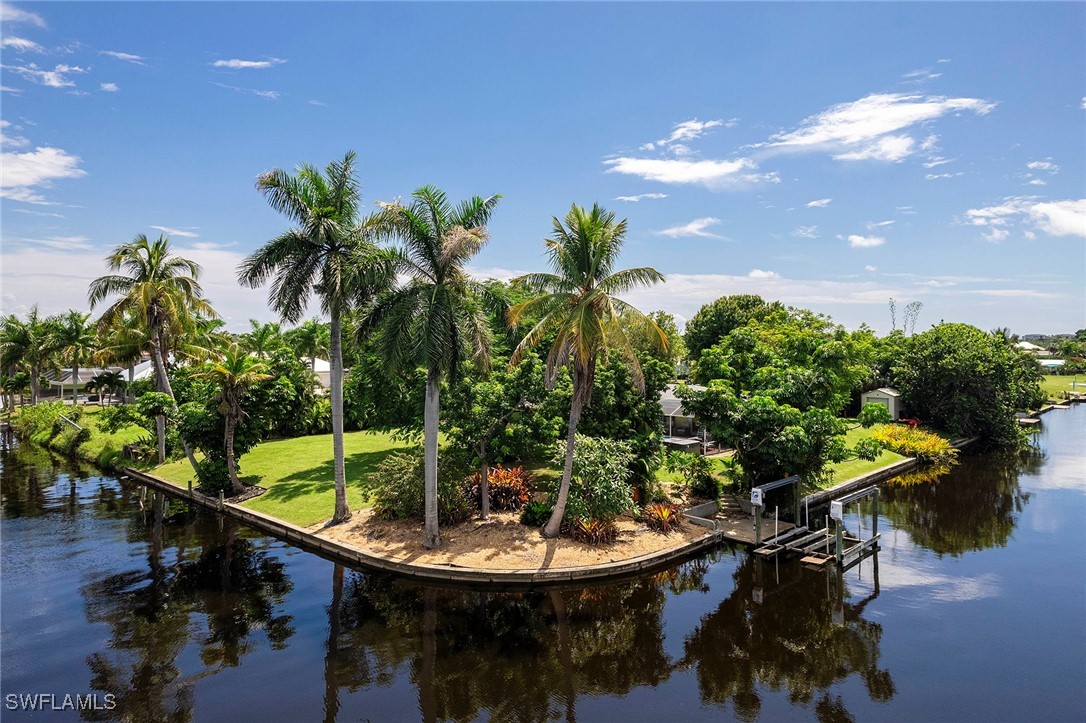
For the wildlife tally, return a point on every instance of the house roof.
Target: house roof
(671, 405)
(1029, 347)
(884, 390)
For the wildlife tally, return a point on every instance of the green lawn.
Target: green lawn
(298, 474)
(847, 470)
(1054, 385)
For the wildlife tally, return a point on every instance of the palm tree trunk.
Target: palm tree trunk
(331, 685)
(34, 384)
(427, 694)
(554, 524)
(484, 487)
(75, 384)
(164, 386)
(343, 511)
(131, 378)
(230, 468)
(432, 536)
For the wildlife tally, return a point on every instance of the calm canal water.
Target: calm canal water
(975, 609)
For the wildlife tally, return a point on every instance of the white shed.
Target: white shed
(891, 398)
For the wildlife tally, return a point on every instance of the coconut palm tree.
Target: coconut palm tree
(123, 342)
(309, 339)
(437, 318)
(30, 344)
(576, 303)
(161, 290)
(326, 254)
(233, 373)
(77, 342)
(107, 381)
(262, 339)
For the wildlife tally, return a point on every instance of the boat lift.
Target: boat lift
(837, 513)
(757, 501)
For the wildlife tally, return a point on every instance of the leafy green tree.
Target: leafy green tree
(577, 303)
(645, 341)
(324, 254)
(30, 344)
(161, 291)
(309, 339)
(438, 317)
(967, 382)
(714, 321)
(600, 487)
(76, 342)
(262, 339)
(233, 373)
(123, 342)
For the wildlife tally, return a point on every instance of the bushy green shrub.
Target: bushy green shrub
(213, 477)
(399, 490)
(536, 514)
(509, 488)
(38, 419)
(697, 473)
(599, 487)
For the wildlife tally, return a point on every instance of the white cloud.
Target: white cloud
(237, 64)
(937, 161)
(176, 231)
(38, 213)
(317, 102)
(871, 269)
(712, 174)
(266, 94)
(805, 232)
(1083, 104)
(921, 74)
(865, 242)
(11, 14)
(906, 210)
(1038, 182)
(1061, 218)
(60, 243)
(20, 45)
(759, 274)
(1046, 165)
(694, 228)
(109, 87)
(9, 89)
(937, 176)
(20, 173)
(996, 234)
(820, 203)
(55, 78)
(689, 130)
(9, 140)
(871, 127)
(127, 57)
(1056, 218)
(640, 196)
(880, 224)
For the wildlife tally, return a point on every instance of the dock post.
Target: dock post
(757, 524)
(220, 500)
(840, 541)
(875, 514)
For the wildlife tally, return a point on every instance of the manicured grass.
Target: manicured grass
(1054, 385)
(854, 468)
(298, 474)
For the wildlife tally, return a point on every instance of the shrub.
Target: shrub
(213, 477)
(594, 532)
(508, 487)
(913, 442)
(599, 488)
(536, 514)
(38, 419)
(399, 488)
(697, 473)
(662, 516)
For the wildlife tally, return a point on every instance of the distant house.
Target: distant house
(1031, 348)
(681, 428)
(890, 398)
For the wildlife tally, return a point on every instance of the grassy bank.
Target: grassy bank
(1055, 386)
(298, 474)
(42, 425)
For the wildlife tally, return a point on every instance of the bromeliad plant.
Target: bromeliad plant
(509, 488)
(662, 516)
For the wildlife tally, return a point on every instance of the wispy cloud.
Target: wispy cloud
(760, 274)
(640, 196)
(938, 176)
(709, 173)
(317, 102)
(20, 45)
(60, 243)
(696, 228)
(820, 203)
(55, 78)
(873, 127)
(873, 225)
(1056, 218)
(10, 139)
(920, 75)
(12, 15)
(266, 94)
(238, 64)
(126, 57)
(805, 232)
(857, 241)
(176, 231)
(43, 214)
(109, 87)
(22, 173)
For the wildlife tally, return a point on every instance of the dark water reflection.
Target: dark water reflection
(184, 616)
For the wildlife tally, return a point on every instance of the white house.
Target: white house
(890, 398)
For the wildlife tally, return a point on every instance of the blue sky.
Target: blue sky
(828, 155)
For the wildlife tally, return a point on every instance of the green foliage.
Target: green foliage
(913, 442)
(965, 381)
(662, 516)
(715, 321)
(599, 487)
(400, 489)
(536, 514)
(154, 404)
(37, 420)
(872, 414)
(509, 487)
(696, 471)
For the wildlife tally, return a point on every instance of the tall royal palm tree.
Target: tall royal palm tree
(326, 254)
(233, 373)
(161, 290)
(30, 344)
(577, 304)
(437, 318)
(77, 343)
